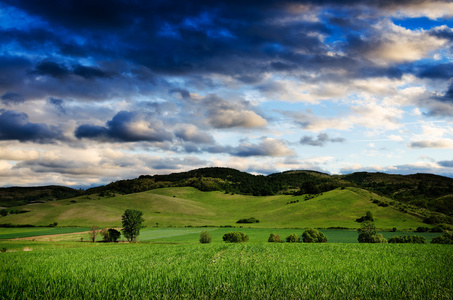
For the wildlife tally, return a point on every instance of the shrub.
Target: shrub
(292, 238)
(3, 250)
(367, 217)
(313, 236)
(422, 229)
(368, 234)
(413, 239)
(436, 229)
(235, 237)
(205, 237)
(274, 238)
(114, 235)
(249, 220)
(447, 238)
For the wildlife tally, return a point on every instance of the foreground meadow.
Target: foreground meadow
(225, 271)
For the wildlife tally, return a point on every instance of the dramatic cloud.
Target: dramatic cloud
(125, 127)
(16, 126)
(92, 92)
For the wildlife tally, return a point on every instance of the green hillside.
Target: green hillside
(187, 206)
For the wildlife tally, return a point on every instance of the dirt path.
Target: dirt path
(53, 237)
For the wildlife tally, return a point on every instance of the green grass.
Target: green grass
(227, 271)
(189, 206)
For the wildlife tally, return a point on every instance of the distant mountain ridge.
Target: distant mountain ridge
(428, 191)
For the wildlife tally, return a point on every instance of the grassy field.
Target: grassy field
(226, 271)
(189, 206)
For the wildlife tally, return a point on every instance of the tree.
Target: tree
(110, 235)
(114, 235)
(292, 238)
(274, 238)
(93, 233)
(132, 223)
(313, 236)
(368, 234)
(368, 217)
(235, 237)
(447, 238)
(205, 237)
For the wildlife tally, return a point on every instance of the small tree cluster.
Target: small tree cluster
(313, 236)
(110, 235)
(367, 217)
(249, 220)
(447, 238)
(205, 237)
(368, 234)
(292, 238)
(235, 237)
(413, 239)
(274, 238)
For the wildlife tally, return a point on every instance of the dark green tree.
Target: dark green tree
(368, 233)
(274, 238)
(292, 238)
(132, 223)
(235, 237)
(447, 238)
(114, 235)
(313, 236)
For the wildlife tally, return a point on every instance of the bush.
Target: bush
(235, 237)
(368, 234)
(274, 238)
(422, 229)
(447, 238)
(114, 235)
(205, 237)
(413, 239)
(436, 229)
(292, 238)
(313, 236)
(367, 217)
(249, 220)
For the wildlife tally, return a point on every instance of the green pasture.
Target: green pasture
(188, 206)
(225, 271)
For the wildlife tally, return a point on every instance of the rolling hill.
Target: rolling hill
(425, 197)
(187, 206)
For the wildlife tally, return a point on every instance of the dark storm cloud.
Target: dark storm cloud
(12, 98)
(240, 39)
(52, 69)
(57, 70)
(321, 140)
(16, 126)
(125, 127)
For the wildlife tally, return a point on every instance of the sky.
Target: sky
(97, 91)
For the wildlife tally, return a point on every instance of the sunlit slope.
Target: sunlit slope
(186, 206)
